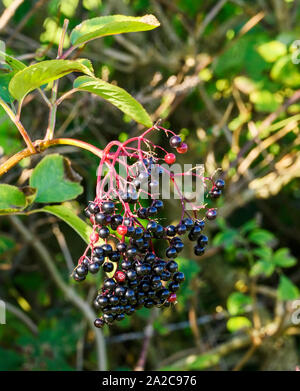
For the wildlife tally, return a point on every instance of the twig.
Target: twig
(19, 125)
(9, 13)
(23, 22)
(64, 247)
(209, 17)
(22, 316)
(69, 292)
(41, 146)
(148, 332)
(245, 358)
(52, 112)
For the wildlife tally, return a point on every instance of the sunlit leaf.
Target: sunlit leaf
(287, 290)
(109, 25)
(271, 51)
(260, 236)
(42, 73)
(237, 323)
(265, 268)
(237, 303)
(283, 258)
(116, 96)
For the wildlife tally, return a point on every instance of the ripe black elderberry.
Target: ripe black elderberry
(133, 234)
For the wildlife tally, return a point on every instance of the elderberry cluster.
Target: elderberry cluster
(138, 274)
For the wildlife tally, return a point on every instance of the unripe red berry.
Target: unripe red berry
(120, 276)
(182, 148)
(122, 230)
(170, 158)
(172, 298)
(94, 237)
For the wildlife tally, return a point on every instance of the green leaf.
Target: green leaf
(264, 253)
(190, 268)
(287, 290)
(42, 73)
(265, 100)
(282, 258)
(248, 226)
(15, 65)
(66, 214)
(261, 236)
(204, 361)
(6, 244)
(55, 180)
(237, 302)
(285, 72)
(4, 82)
(262, 267)
(226, 238)
(109, 25)
(116, 96)
(271, 51)
(237, 323)
(13, 199)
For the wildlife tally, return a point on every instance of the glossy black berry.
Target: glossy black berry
(172, 266)
(149, 257)
(220, 184)
(115, 256)
(81, 270)
(173, 286)
(151, 211)
(171, 230)
(109, 284)
(104, 232)
(188, 223)
(211, 214)
(98, 251)
(108, 207)
(202, 240)
(93, 208)
(100, 218)
(171, 252)
(194, 233)
(178, 277)
(107, 249)
(108, 267)
(131, 274)
(178, 246)
(198, 250)
(121, 247)
(94, 268)
(102, 301)
(131, 252)
(175, 141)
(120, 290)
(99, 323)
(151, 226)
(78, 278)
(158, 204)
(181, 229)
(142, 213)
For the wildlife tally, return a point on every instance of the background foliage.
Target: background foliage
(221, 74)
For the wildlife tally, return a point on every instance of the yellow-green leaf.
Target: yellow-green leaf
(110, 25)
(44, 72)
(116, 96)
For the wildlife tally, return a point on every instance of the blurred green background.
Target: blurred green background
(224, 74)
